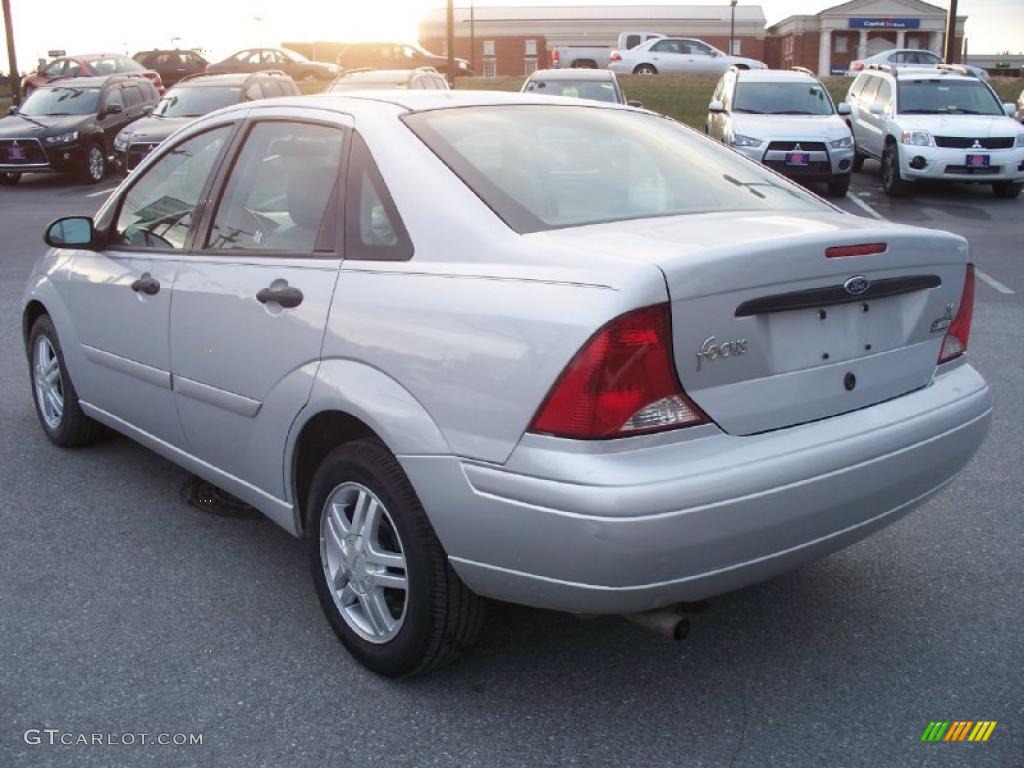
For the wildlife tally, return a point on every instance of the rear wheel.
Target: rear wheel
(839, 187)
(94, 165)
(383, 579)
(9, 179)
(1007, 189)
(645, 69)
(892, 181)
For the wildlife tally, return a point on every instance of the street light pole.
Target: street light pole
(451, 42)
(12, 60)
(732, 27)
(472, 36)
(950, 48)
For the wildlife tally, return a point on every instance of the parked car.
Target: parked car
(68, 126)
(675, 55)
(390, 55)
(191, 98)
(424, 78)
(785, 119)
(581, 83)
(88, 65)
(596, 57)
(654, 377)
(172, 65)
(942, 124)
(909, 58)
(1019, 114)
(295, 65)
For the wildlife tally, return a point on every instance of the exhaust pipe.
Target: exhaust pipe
(663, 621)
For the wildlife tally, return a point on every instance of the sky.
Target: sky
(224, 26)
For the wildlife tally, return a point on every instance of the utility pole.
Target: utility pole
(451, 43)
(12, 60)
(472, 36)
(949, 53)
(732, 27)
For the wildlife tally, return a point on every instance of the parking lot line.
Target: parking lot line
(987, 278)
(101, 192)
(867, 208)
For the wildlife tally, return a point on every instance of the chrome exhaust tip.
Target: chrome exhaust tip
(664, 621)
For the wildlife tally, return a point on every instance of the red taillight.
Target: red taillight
(555, 56)
(858, 66)
(622, 382)
(864, 249)
(616, 56)
(955, 343)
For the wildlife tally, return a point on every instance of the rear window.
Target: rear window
(595, 91)
(548, 167)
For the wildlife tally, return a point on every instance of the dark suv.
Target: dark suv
(193, 97)
(396, 56)
(294, 65)
(172, 66)
(69, 126)
(423, 78)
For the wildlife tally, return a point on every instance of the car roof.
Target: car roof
(774, 75)
(573, 74)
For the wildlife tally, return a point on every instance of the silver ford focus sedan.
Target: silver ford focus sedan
(554, 352)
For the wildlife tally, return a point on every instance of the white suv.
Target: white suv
(941, 125)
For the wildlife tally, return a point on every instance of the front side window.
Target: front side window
(668, 46)
(55, 68)
(133, 96)
(867, 95)
(546, 167)
(949, 97)
(698, 48)
(794, 98)
(279, 188)
(159, 207)
(884, 93)
(114, 97)
(72, 69)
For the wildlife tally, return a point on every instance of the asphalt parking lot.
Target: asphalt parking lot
(125, 610)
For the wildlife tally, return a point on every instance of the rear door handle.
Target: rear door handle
(287, 297)
(146, 284)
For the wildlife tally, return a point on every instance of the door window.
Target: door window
(698, 48)
(373, 228)
(159, 208)
(668, 46)
(884, 93)
(55, 68)
(279, 188)
(133, 96)
(870, 89)
(632, 41)
(114, 97)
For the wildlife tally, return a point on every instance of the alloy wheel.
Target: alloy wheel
(49, 387)
(364, 562)
(96, 164)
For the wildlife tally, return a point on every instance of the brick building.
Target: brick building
(515, 40)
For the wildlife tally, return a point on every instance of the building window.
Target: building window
(737, 47)
(490, 67)
(488, 47)
(840, 46)
(531, 48)
(529, 65)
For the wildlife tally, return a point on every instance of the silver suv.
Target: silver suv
(935, 125)
(785, 119)
(562, 353)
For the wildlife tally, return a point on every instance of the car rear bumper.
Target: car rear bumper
(575, 527)
(946, 164)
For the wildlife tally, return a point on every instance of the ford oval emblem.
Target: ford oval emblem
(857, 285)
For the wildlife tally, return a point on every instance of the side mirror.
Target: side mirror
(877, 108)
(716, 107)
(12, 110)
(1009, 108)
(843, 108)
(71, 232)
(112, 109)
(147, 109)
(634, 103)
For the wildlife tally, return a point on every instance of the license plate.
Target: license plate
(977, 161)
(798, 158)
(16, 153)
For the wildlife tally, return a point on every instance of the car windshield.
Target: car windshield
(946, 97)
(196, 100)
(57, 100)
(115, 65)
(546, 167)
(795, 98)
(593, 90)
(296, 57)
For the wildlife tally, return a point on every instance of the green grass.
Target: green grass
(686, 98)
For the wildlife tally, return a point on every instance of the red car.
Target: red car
(87, 65)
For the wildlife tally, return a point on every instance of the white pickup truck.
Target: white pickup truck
(587, 56)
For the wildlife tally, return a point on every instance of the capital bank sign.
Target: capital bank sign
(884, 23)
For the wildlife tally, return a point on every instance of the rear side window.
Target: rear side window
(373, 228)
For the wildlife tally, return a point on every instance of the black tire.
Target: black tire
(858, 161)
(74, 427)
(8, 179)
(645, 69)
(442, 616)
(94, 164)
(1007, 189)
(839, 187)
(892, 181)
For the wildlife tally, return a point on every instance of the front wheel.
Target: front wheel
(839, 187)
(94, 165)
(9, 179)
(380, 572)
(1007, 189)
(645, 69)
(892, 181)
(858, 161)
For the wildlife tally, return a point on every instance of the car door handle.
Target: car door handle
(146, 284)
(287, 297)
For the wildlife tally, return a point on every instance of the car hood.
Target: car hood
(809, 127)
(153, 128)
(978, 126)
(37, 127)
